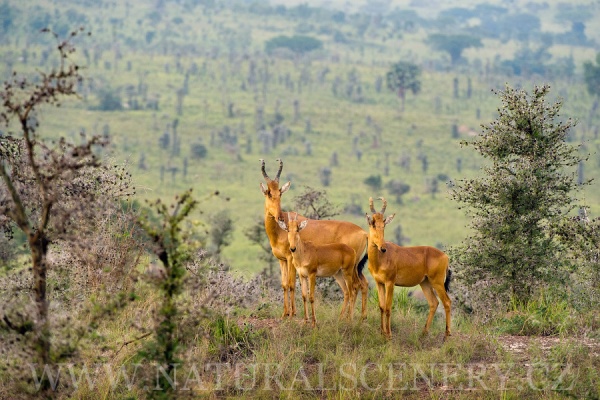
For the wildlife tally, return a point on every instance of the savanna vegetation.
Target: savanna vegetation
(134, 261)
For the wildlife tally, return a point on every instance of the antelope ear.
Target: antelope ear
(282, 225)
(302, 225)
(285, 187)
(263, 188)
(369, 220)
(389, 219)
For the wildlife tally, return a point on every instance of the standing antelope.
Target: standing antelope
(318, 231)
(312, 260)
(392, 265)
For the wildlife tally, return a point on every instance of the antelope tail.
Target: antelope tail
(447, 281)
(361, 265)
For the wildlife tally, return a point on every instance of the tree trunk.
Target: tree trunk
(39, 248)
(402, 95)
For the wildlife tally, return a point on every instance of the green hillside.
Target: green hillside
(198, 71)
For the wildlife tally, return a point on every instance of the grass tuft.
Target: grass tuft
(545, 316)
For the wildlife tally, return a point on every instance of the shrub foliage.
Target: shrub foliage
(524, 194)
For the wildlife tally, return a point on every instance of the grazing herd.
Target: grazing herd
(324, 248)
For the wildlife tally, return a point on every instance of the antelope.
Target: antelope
(312, 260)
(392, 265)
(317, 231)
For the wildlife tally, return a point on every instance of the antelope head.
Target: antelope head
(293, 229)
(273, 192)
(377, 223)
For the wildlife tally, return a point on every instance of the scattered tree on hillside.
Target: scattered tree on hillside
(591, 74)
(109, 100)
(404, 76)
(398, 189)
(373, 182)
(517, 205)
(7, 17)
(220, 231)
(528, 61)
(522, 26)
(298, 44)
(454, 45)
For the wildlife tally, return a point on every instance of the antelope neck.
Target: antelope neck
(271, 224)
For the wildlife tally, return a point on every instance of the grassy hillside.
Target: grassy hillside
(144, 52)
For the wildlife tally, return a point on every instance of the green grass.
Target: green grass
(264, 357)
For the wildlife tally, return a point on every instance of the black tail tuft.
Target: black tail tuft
(361, 265)
(447, 281)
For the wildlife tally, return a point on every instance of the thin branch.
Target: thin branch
(19, 213)
(127, 343)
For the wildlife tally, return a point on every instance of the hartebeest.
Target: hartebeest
(318, 231)
(392, 265)
(312, 260)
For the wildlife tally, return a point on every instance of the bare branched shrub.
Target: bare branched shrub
(112, 250)
(56, 193)
(314, 204)
(224, 293)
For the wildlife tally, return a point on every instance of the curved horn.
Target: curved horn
(280, 168)
(371, 205)
(384, 205)
(262, 168)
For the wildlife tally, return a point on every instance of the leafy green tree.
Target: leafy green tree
(198, 151)
(398, 189)
(109, 100)
(373, 182)
(7, 17)
(591, 74)
(221, 230)
(518, 204)
(522, 25)
(298, 44)
(454, 45)
(530, 61)
(404, 76)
